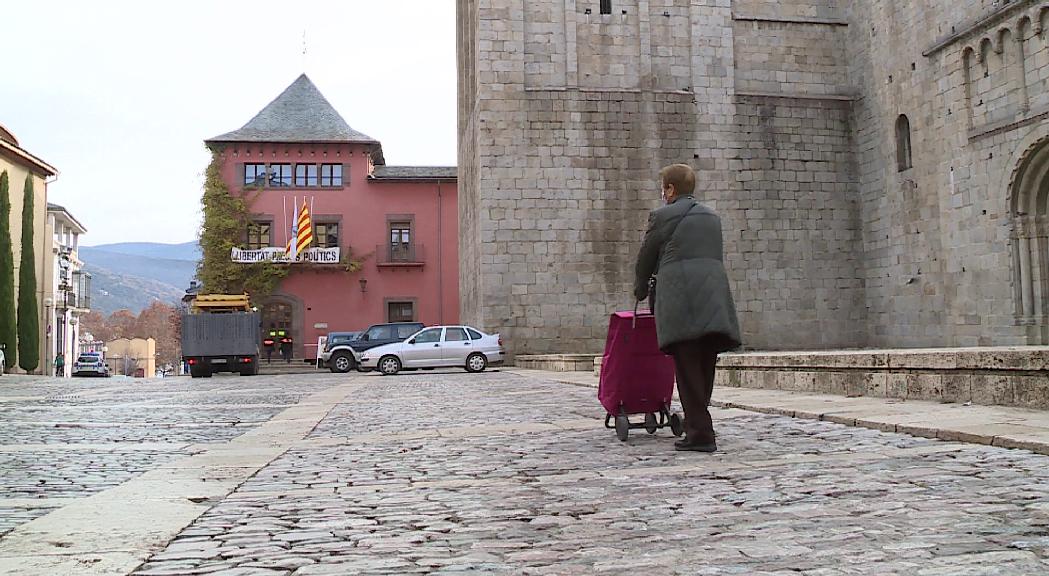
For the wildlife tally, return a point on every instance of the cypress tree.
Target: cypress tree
(28, 311)
(7, 276)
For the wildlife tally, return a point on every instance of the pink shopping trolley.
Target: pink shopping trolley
(636, 376)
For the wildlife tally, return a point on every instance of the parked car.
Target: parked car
(337, 355)
(435, 347)
(90, 364)
(345, 355)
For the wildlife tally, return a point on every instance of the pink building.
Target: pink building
(401, 221)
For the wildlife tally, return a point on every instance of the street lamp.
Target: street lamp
(364, 284)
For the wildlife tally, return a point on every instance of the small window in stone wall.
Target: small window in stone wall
(903, 143)
(606, 6)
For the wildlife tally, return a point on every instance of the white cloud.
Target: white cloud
(120, 95)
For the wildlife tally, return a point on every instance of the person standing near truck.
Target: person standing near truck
(269, 343)
(285, 345)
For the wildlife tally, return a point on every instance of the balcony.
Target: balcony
(78, 295)
(400, 255)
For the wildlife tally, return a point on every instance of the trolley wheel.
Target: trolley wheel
(650, 423)
(622, 428)
(677, 425)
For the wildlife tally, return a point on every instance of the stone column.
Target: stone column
(1026, 279)
(1021, 70)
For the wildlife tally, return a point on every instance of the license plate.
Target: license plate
(218, 360)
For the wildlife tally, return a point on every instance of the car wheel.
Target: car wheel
(389, 365)
(341, 362)
(476, 362)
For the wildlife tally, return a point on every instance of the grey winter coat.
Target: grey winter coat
(683, 250)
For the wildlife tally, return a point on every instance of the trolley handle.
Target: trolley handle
(633, 319)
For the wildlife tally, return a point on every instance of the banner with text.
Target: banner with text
(274, 254)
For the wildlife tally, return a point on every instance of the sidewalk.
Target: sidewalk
(991, 425)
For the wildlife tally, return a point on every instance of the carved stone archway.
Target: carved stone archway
(1029, 209)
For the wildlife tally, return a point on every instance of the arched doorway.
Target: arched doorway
(1029, 209)
(281, 312)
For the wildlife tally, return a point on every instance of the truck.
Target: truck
(221, 333)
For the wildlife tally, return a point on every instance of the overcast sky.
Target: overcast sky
(119, 95)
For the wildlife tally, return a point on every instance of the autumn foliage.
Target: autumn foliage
(160, 322)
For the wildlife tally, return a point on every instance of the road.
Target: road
(452, 473)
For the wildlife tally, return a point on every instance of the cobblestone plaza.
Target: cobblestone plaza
(504, 473)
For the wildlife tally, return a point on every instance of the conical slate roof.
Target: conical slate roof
(300, 114)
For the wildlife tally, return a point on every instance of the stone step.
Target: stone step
(557, 362)
(296, 366)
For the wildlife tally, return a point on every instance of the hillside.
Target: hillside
(177, 273)
(111, 292)
(132, 275)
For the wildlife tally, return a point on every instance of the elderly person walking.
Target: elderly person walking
(695, 315)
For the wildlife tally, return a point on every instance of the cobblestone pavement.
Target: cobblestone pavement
(454, 473)
(62, 439)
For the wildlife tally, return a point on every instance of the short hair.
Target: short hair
(681, 176)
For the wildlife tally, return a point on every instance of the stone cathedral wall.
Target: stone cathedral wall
(791, 113)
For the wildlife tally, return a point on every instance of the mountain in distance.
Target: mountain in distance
(132, 275)
(111, 292)
(189, 251)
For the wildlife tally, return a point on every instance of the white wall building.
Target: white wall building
(67, 289)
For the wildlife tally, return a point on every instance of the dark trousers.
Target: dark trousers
(694, 362)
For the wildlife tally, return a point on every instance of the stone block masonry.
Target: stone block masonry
(875, 164)
(1016, 377)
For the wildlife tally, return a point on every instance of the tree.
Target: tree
(226, 219)
(28, 311)
(121, 324)
(8, 328)
(155, 322)
(95, 323)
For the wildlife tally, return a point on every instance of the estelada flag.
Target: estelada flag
(302, 232)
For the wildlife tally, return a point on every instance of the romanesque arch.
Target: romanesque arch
(1029, 208)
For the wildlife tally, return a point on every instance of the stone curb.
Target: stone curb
(924, 431)
(1037, 441)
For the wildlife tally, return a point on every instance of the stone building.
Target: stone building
(880, 165)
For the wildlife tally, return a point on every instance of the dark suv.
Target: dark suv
(341, 353)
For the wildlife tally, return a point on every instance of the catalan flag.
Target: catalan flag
(301, 232)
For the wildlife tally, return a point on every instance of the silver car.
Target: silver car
(436, 347)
